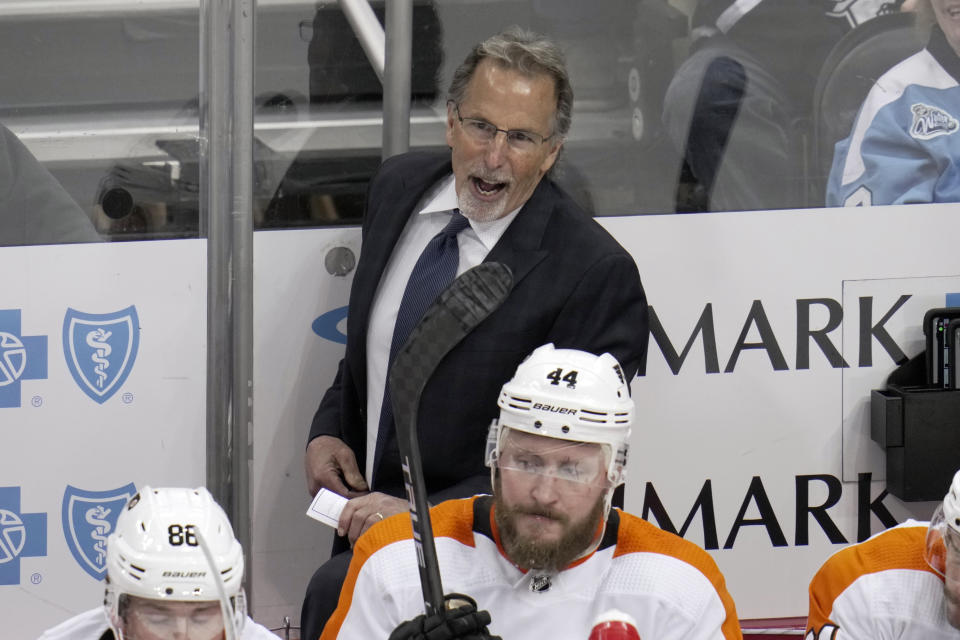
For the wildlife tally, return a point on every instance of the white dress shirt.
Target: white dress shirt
(475, 242)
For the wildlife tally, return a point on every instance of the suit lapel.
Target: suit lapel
(519, 246)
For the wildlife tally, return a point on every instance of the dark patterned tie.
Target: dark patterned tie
(433, 272)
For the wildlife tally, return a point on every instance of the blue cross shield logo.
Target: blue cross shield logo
(21, 357)
(100, 349)
(22, 535)
(88, 518)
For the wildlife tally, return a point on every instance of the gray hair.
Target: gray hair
(527, 52)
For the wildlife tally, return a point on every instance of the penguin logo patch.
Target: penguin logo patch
(930, 122)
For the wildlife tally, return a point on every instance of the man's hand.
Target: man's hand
(359, 514)
(460, 623)
(330, 464)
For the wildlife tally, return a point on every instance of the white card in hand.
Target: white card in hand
(326, 507)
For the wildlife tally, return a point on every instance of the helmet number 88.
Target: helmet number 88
(557, 376)
(180, 534)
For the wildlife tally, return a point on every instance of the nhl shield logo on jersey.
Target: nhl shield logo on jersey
(100, 349)
(540, 583)
(88, 518)
(930, 122)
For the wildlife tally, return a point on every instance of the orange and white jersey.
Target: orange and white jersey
(880, 589)
(670, 586)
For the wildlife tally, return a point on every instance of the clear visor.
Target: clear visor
(580, 465)
(942, 548)
(154, 620)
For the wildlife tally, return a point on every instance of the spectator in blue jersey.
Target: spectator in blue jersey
(734, 108)
(905, 143)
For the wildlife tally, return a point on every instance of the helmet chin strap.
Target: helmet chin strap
(607, 501)
(601, 529)
(229, 624)
(114, 622)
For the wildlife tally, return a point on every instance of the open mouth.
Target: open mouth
(487, 189)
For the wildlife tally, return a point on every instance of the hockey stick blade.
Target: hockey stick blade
(455, 313)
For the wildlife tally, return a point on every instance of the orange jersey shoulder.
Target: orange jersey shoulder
(636, 535)
(450, 519)
(896, 548)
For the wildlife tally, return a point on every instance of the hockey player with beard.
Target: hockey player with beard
(545, 551)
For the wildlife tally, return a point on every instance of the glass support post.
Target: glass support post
(390, 53)
(226, 214)
(397, 77)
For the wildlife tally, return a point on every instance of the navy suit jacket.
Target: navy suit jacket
(574, 285)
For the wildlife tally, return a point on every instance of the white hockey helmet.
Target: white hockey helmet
(944, 525)
(155, 552)
(951, 504)
(569, 395)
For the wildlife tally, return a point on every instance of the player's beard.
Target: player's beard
(531, 553)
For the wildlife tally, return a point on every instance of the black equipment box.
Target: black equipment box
(919, 427)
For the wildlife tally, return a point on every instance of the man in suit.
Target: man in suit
(573, 286)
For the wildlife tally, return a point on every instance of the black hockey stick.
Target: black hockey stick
(461, 307)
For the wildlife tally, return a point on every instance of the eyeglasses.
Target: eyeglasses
(517, 139)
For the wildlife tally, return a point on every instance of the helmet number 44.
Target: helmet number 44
(557, 376)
